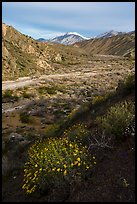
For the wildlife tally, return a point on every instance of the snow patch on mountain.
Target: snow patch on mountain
(69, 38)
(109, 34)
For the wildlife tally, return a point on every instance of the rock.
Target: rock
(58, 58)
(24, 143)
(15, 137)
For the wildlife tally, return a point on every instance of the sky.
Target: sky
(51, 19)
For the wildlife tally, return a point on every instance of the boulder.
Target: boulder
(15, 137)
(58, 58)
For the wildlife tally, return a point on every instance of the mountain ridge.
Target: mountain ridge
(66, 38)
(110, 34)
(121, 45)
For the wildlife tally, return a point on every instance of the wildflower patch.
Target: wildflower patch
(54, 161)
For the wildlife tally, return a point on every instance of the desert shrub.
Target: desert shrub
(62, 58)
(51, 130)
(27, 95)
(8, 96)
(49, 90)
(117, 119)
(130, 82)
(54, 162)
(24, 117)
(77, 132)
(78, 113)
(98, 99)
(127, 84)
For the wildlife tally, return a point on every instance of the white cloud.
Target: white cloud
(58, 17)
(47, 34)
(37, 33)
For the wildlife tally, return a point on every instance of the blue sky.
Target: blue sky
(50, 19)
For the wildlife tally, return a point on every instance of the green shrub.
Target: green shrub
(127, 85)
(77, 132)
(130, 82)
(51, 129)
(77, 114)
(98, 99)
(49, 90)
(8, 96)
(117, 119)
(54, 162)
(24, 117)
(27, 95)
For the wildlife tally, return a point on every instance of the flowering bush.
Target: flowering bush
(54, 161)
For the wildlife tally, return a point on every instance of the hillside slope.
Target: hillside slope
(113, 178)
(23, 56)
(123, 45)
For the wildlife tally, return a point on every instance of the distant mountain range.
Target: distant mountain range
(66, 39)
(111, 33)
(73, 37)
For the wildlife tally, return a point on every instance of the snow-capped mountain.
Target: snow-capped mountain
(110, 34)
(73, 37)
(68, 38)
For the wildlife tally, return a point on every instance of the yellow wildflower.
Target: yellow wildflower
(65, 172)
(58, 169)
(78, 158)
(65, 165)
(24, 186)
(72, 165)
(93, 157)
(94, 162)
(71, 145)
(76, 162)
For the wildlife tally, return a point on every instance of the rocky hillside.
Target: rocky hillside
(123, 45)
(23, 56)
